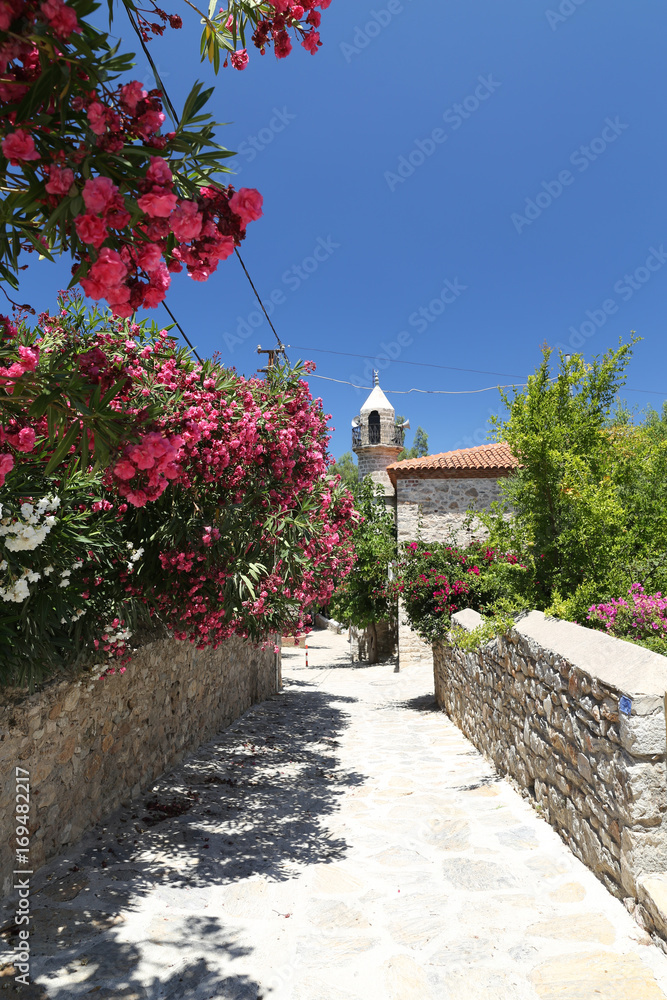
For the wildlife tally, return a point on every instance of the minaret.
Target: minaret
(376, 439)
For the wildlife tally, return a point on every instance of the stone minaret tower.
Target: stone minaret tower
(376, 440)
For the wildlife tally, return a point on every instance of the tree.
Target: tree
(346, 468)
(362, 599)
(419, 445)
(586, 507)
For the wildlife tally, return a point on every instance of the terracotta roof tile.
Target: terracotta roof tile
(486, 460)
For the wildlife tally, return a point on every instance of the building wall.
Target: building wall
(442, 505)
(544, 703)
(88, 746)
(373, 461)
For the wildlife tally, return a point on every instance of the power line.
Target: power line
(172, 109)
(419, 364)
(280, 343)
(183, 333)
(432, 392)
(454, 392)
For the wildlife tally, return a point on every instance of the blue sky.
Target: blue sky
(400, 225)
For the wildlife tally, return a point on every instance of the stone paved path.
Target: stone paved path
(342, 841)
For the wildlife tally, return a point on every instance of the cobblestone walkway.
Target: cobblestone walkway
(342, 841)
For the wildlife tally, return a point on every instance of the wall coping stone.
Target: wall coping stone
(623, 666)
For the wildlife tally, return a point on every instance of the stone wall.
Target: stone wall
(441, 504)
(89, 746)
(577, 718)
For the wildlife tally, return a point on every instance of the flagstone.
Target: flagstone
(363, 850)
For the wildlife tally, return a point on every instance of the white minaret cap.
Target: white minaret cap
(377, 399)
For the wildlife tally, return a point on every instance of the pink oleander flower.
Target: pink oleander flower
(98, 193)
(159, 172)
(160, 203)
(247, 204)
(9, 9)
(62, 18)
(91, 229)
(97, 118)
(149, 257)
(6, 466)
(124, 469)
(239, 59)
(282, 44)
(131, 94)
(312, 41)
(26, 440)
(186, 221)
(19, 147)
(29, 357)
(60, 179)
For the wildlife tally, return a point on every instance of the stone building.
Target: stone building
(377, 440)
(432, 496)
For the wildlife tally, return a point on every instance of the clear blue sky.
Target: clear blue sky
(539, 94)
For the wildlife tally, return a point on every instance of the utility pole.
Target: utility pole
(272, 352)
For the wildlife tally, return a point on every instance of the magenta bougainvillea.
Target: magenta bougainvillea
(639, 617)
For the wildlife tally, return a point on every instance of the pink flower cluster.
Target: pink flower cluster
(155, 455)
(643, 616)
(205, 232)
(288, 16)
(239, 454)
(126, 263)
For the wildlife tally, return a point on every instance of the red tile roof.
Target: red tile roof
(485, 461)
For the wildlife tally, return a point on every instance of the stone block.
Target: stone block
(642, 850)
(643, 735)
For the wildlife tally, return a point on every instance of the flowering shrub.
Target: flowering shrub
(94, 176)
(362, 599)
(642, 618)
(435, 580)
(175, 494)
(86, 168)
(272, 21)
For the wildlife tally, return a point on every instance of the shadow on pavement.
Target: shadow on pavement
(253, 801)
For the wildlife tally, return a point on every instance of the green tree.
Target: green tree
(362, 599)
(588, 500)
(346, 468)
(419, 447)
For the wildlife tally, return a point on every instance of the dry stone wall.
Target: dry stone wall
(88, 746)
(578, 718)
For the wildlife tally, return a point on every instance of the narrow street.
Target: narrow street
(342, 841)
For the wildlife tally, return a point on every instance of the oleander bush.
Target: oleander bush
(142, 489)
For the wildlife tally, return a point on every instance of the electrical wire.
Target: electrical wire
(172, 110)
(418, 364)
(430, 392)
(183, 333)
(454, 392)
(245, 269)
